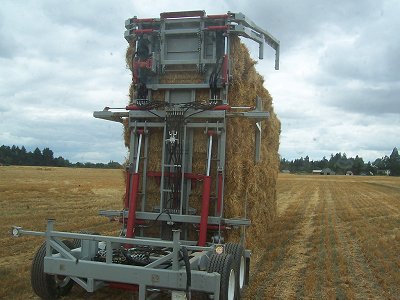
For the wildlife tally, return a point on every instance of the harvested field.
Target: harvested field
(334, 237)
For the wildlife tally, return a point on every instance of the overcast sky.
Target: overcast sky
(337, 89)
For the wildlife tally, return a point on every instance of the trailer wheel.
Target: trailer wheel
(223, 264)
(239, 261)
(48, 286)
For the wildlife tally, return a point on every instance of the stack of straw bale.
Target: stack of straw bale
(249, 187)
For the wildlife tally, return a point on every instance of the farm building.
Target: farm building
(327, 171)
(316, 172)
(349, 173)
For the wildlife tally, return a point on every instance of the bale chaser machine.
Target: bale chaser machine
(171, 242)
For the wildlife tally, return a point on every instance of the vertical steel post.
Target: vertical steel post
(49, 228)
(176, 247)
(183, 170)
(209, 154)
(163, 168)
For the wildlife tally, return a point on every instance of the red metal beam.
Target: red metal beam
(217, 28)
(218, 16)
(141, 31)
(130, 227)
(145, 20)
(171, 174)
(205, 205)
(182, 14)
(123, 286)
(222, 107)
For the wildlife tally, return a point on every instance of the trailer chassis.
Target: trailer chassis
(91, 275)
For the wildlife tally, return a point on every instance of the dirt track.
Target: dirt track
(334, 238)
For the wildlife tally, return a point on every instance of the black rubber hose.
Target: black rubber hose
(185, 256)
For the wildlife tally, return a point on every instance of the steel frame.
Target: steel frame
(183, 40)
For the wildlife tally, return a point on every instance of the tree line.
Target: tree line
(340, 164)
(21, 157)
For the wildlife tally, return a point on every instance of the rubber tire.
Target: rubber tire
(223, 264)
(45, 285)
(237, 252)
(77, 242)
(247, 276)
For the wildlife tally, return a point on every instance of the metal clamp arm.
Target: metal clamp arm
(110, 115)
(255, 33)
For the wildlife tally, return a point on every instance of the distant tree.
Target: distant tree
(324, 163)
(113, 165)
(369, 168)
(48, 158)
(285, 164)
(5, 155)
(61, 162)
(23, 156)
(394, 163)
(37, 158)
(19, 156)
(382, 163)
(358, 165)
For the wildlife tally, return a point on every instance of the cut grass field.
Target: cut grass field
(335, 237)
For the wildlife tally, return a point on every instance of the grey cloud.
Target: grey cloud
(295, 21)
(99, 15)
(60, 63)
(7, 41)
(369, 101)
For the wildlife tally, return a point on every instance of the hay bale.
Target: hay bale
(247, 183)
(244, 178)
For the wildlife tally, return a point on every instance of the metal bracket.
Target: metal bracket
(255, 33)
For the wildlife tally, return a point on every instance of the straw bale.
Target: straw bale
(249, 186)
(182, 76)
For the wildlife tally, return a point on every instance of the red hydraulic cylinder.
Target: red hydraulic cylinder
(218, 16)
(132, 205)
(217, 28)
(205, 204)
(138, 31)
